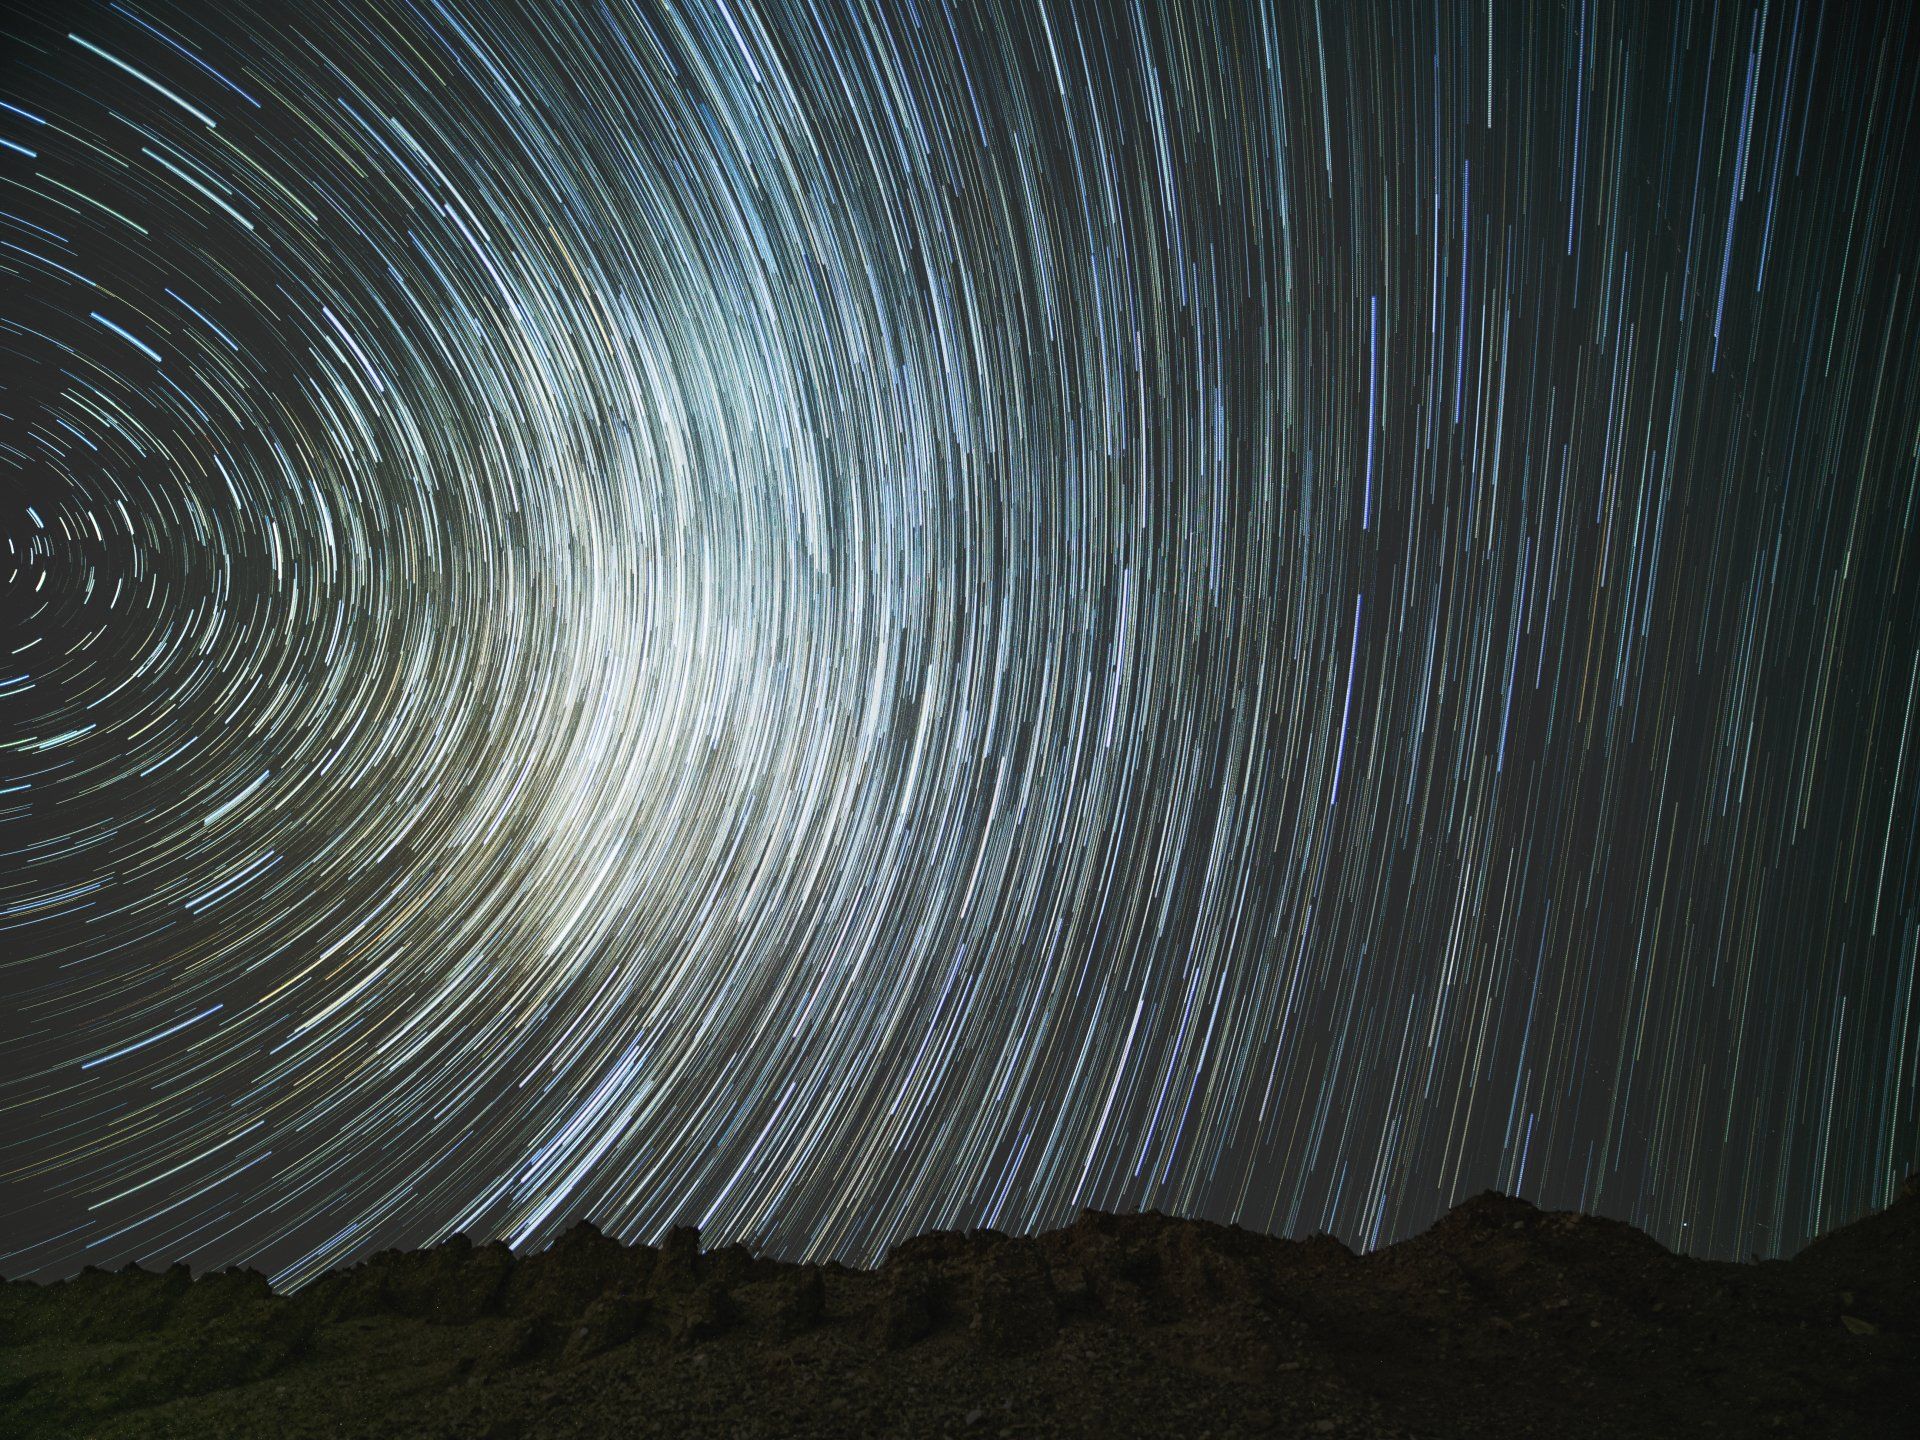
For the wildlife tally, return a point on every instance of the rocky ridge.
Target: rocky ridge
(1500, 1320)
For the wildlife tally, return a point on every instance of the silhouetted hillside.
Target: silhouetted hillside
(1500, 1320)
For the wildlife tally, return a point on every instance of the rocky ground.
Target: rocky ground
(1499, 1321)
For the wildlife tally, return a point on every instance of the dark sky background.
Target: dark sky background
(831, 620)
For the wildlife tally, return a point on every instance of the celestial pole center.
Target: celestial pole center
(833, 620)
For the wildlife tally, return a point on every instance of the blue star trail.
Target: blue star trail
(828, 620)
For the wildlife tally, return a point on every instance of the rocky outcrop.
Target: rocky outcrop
(1500, 1320)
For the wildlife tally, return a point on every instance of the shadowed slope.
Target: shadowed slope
(1499, 1320)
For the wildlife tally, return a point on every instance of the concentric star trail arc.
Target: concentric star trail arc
(828, 620)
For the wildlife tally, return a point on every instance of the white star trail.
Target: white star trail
(829, 620)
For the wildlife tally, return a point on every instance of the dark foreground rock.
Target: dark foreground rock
(1499, 1321)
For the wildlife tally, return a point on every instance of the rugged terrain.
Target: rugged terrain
(1501, 1320)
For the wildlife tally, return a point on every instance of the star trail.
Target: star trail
(833, 619)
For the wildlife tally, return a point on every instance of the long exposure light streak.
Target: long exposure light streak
(834, 619)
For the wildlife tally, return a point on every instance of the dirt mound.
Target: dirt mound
(1499, 1320)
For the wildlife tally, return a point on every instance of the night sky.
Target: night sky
(833, 619)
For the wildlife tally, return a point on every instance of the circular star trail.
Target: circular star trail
(826, 620)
